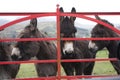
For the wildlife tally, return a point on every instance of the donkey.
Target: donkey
(7, 71)
(42, 50)
(74, 49)
(112, 46)
(118, 52)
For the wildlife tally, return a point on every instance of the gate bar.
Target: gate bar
(58, 42)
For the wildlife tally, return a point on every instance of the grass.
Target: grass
(27, 71)
(101, 68)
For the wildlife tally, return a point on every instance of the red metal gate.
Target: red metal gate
(58, 14)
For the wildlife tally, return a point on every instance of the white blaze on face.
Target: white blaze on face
(92, 45)
(16, 51)
(68, 47)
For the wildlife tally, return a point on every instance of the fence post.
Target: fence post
(58, 42)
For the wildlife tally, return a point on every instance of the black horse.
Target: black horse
(74, 49)
(111, 45)
(7, 71)
(42, 50)
(118, 51)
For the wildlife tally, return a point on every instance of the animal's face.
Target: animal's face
(67, 30)
(24, 50)
(100, 31)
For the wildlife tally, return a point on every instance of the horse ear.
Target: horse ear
(61, 17)
(33, 24)
(61, 9)
(73, 11)
(97, 17)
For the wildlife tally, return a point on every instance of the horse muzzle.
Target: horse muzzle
(92, 47)
(68, 48)
(16, 57)
(68, 52)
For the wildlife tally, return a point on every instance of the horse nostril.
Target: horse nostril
(93, 50)
(14, 57)
(65, 51)
(68, 52)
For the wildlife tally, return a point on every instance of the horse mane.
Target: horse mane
(111, 32)
(106, 21)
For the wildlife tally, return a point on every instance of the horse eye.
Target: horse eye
(61, 34)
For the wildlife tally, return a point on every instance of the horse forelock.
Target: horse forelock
(106, 21)
(67, 20)
(67, 26)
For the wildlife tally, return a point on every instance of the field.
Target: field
(101, 68)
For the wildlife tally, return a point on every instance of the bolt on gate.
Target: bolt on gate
(58, 14)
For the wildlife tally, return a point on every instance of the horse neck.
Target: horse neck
(112, 48)
(113, 45)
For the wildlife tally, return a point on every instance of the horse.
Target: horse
(74, 49)
(7, 71)
(101, 31)
(42, 50)
(118, 52)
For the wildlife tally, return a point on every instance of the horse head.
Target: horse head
(27, 49)
(100, 31)
(67, 30)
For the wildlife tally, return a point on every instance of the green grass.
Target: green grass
(105, 67)
(27, 71)
(101, 68)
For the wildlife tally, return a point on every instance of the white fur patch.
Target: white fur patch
(16, 51)
(92, 45)
(68, 47)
